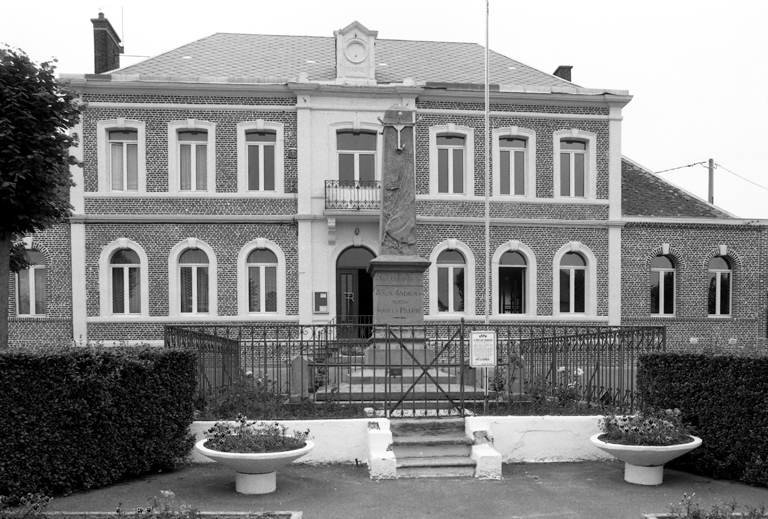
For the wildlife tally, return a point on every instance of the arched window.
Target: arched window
(193, 281)
(662, 286)
(512, 283)
(451, 266)
(30, 286)
(450, 163)
(573, 274)
(720, 276)
(262, 281)
(125, 272)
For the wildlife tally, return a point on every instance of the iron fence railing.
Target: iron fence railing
(342, 194)
(399, 370)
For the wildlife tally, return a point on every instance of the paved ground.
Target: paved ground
(594, 490)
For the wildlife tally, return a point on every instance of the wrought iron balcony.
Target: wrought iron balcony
(342, 194)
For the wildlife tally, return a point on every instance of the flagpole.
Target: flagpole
(487, 171)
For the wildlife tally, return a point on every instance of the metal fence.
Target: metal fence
(420, 370)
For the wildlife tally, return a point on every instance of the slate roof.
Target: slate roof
(282, 58)
(645, 194)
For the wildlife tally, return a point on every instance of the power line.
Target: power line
(681, 167)
(742, 178)
(703, 164)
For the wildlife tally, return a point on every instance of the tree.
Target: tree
(36, 110)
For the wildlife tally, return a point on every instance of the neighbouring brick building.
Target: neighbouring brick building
(236, 179)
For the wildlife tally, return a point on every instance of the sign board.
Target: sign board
(321, 302)
(482, 349)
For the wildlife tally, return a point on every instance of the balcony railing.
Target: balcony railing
(342, 194)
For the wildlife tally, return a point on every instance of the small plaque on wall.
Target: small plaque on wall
(321, 302)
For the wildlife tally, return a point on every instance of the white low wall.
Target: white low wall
(538, 439)
(517, 438)
(336, 441)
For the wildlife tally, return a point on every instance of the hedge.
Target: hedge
(725, 400)
(81, 418)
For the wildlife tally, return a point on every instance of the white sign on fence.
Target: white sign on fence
(482, 349)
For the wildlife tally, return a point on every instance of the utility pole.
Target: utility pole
(711, 168)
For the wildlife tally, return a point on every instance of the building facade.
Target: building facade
(237, 179)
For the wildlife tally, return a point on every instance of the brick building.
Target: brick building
(236, 179)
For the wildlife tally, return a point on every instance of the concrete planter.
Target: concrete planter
(644, 464)
(255, 472)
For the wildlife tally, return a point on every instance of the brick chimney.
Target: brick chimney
(106, 46)
(563, 72)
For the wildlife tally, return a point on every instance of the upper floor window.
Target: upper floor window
(450, 163)
(261, 160)
(124, 160)
(451, 159)
(573, 160)
(260, 157)
(125, 271)
(191, 156)
(720, 276)
(450, 281)
(193, 160)
(30, 286)
(512, 166)
(662, 286)
(575, 168)
(573, 275)
(262, 281)
(512, 283)
(121, 155)
(356, 155)
(193, 282)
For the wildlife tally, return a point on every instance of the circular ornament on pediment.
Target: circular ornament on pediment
(356, 50)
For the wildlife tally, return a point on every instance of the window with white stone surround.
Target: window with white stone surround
(191, 157)
(121, 156)
(123, 279)
(31, 293)
(514, 162)
(261, 279)
(260, 157)
(452, 280)
(575, 281)
(451, 160)
(192, 279)
(575, 164)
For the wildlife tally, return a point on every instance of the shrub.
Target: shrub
(724, 399)
(81, 418)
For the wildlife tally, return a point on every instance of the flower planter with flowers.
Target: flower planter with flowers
(254, 451)
(645, 442)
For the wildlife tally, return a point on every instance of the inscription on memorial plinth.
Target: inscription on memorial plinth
(397, 298)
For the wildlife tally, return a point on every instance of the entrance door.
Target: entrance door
(354, 293)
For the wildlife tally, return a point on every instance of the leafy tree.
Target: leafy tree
(36, 110)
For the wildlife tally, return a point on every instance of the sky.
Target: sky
(697, 70)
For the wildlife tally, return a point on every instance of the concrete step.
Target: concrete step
(401, 376)
(427, 426)
(434, 447)
(448, 466)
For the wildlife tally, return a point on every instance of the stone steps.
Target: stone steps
(425, 447)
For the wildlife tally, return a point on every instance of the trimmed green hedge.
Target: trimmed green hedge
(725, 400)
(81, 418)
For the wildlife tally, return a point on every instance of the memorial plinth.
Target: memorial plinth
(398, 271)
